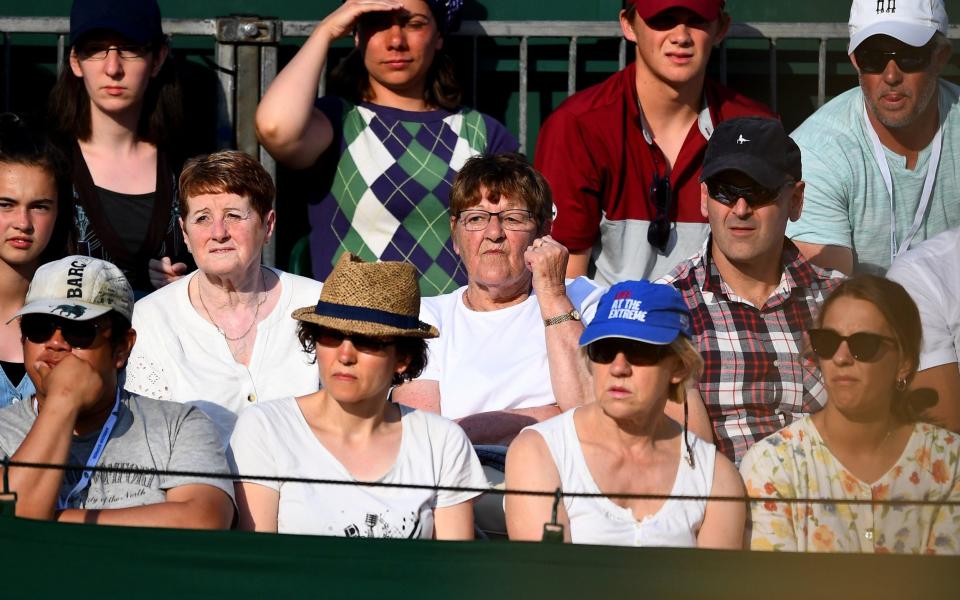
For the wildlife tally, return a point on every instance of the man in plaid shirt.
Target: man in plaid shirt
(750, 291)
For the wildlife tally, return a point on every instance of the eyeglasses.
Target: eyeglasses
(864, 346)
(658, 233)
(515, 219)
(79, 334)
(332, 338)
(908, 58)
(100, 51)
(756, 195)
(638, 354)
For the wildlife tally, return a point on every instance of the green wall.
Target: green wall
(586, 10)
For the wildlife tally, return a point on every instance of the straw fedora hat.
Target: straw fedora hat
(378, 299)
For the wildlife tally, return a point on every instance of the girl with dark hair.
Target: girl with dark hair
(865, 444)
(115, 107)
(390, 140)
(33, 222)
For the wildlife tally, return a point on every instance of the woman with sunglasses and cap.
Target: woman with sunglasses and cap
(640, 355)
(391, 135)
(367, 337)
(116, 110)
(866, 444)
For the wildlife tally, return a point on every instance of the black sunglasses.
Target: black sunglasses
(728, 194)
(908, 58)
(79, 334)
(332, 338)
(658, 233)
(863, 346)
(638, 354)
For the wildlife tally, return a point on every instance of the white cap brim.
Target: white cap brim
(912, 34)
(74, 310)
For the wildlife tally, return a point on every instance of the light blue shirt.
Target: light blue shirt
(11, 394)
(846, 202)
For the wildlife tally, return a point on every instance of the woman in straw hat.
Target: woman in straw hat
(640, 356)
(367, 338)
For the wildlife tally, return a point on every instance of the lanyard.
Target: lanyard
(925, 195)
(94, 458)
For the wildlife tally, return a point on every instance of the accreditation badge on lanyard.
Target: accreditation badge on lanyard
(932, 165)
(66, 501)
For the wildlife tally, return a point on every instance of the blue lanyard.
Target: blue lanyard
(66, 502)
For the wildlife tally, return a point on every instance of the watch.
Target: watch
(573, 315)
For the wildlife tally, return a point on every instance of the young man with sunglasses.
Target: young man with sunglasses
(76, 340)
(880, 159)
(750, 291)
(623, 157)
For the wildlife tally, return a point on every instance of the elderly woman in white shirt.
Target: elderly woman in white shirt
(507, 353)
(640, 356)
(221, 337)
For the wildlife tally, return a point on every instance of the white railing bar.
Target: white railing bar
(524, 84)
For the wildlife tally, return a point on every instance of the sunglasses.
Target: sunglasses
(332, 338)
(79, 334)
(658, 233)
(908, 58)
(865, 347)
(638, 354)
(756, 195)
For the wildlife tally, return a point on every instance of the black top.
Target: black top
(14, 371)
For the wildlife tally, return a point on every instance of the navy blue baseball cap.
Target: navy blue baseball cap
(654, 313)
(136, 20)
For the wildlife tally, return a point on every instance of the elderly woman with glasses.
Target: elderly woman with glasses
(640, 356)
(866, 444)
(366, 337)
(507, 354)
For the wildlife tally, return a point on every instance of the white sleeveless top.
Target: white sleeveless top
(600, 521)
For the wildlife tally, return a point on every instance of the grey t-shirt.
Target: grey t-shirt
(149, 434)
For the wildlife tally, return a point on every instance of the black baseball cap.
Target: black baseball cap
(136, 20)
(755, 146)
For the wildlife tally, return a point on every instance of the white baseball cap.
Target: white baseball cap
(78, 288)
(912, 22)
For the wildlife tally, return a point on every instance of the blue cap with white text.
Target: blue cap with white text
(654, 313)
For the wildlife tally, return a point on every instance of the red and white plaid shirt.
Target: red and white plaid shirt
(755, 379)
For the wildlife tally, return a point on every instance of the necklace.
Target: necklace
(263, 298)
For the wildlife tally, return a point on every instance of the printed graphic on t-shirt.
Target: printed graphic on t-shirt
(120, 489)
(405, 525)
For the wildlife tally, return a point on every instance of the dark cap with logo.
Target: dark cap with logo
(755, 146)
(135, 20)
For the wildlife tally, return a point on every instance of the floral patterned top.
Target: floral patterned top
(796, 463)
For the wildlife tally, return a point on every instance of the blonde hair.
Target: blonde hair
(690, 357)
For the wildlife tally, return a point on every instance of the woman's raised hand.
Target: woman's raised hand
(547, 258)
(341, 22)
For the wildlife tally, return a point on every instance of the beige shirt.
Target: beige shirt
(795, 463)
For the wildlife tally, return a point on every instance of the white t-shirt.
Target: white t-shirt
(600, 521)
(180, 356)
(274, 439)
(930, 272)
(494, 360)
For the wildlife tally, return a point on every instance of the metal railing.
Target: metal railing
(246, 55)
